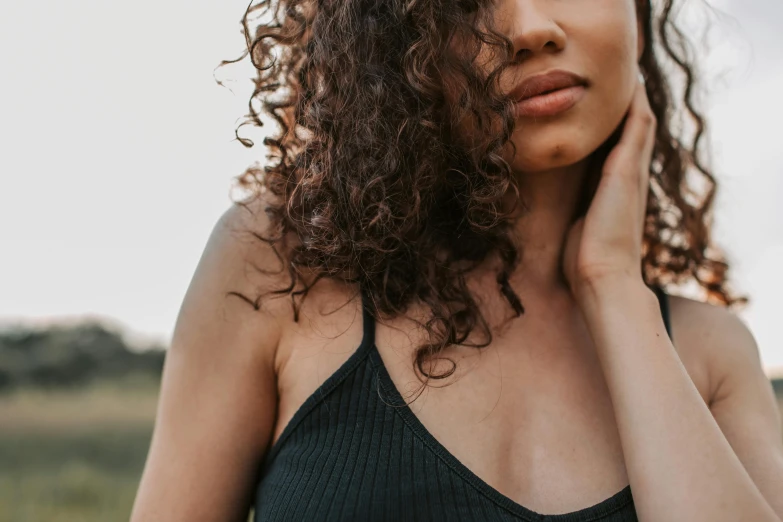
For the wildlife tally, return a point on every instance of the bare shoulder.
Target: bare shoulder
(713, 337)
(229, 293)
(742, 400)
(253, 267)
(218, 396)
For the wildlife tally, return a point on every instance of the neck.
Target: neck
(549, 203)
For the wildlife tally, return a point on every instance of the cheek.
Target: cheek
(604, 49)
(610, 56)
(605, 35)
(610, 93)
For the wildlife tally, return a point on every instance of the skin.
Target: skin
(674, 448)
(582, 395)
(599, 40)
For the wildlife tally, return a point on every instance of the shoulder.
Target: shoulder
(218, 396)
(742, 400)
(230, 296)
(715, 338)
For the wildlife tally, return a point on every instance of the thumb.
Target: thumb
(571, 250)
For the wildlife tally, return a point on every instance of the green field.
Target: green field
(75, 456)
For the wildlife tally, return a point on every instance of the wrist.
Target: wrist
(598, 291)
(610, 304)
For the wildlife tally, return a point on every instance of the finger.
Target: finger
(639, 131)
(646, 158)
(652, 123)
(639, 143)
(632, 155)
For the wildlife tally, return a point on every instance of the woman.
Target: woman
(446, 301)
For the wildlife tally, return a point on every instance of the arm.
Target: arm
(218, 394)
(681, 465)
(742, 400)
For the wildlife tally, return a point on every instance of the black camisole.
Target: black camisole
(355, 452)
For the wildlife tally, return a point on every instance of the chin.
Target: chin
(541, 155)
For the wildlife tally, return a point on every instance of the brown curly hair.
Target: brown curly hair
(372, 180)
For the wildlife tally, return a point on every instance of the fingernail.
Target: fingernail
(641, 78)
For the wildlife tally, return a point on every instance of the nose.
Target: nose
(533, 30)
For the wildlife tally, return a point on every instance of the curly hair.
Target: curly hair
(369, 175)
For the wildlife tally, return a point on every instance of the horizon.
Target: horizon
(120, 175)
(141, 341)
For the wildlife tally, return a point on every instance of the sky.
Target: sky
(118, 153)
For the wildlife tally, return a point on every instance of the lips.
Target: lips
(549, 94)
(546, 83)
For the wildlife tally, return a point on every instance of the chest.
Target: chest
(530, 416)
(537, 425)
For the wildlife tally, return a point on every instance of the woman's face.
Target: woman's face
(598, 40)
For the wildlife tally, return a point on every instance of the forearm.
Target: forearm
(680, 465)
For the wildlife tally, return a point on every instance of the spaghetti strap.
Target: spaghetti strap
(356, 451)
(368, 321)
(663, 301)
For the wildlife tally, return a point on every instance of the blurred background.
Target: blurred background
(117, 159)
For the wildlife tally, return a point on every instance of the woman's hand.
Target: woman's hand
(606, 244)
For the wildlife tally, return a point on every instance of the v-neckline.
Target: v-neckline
(395, 399)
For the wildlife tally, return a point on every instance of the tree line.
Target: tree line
(71, 355)
(74, 355)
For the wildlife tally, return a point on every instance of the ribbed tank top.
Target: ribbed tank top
(355, 452)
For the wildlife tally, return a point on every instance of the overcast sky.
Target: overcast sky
(117, 155)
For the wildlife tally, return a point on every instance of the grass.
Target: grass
(76, 456)
(82, 477)
(73, 456)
